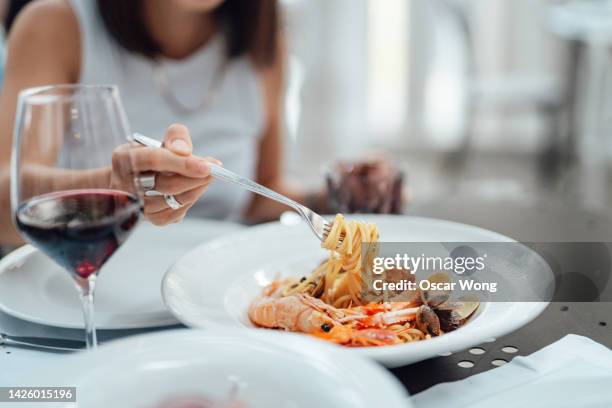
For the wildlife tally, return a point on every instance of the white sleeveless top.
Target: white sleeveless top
(227, 127)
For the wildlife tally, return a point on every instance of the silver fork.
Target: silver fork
(317, 224)
(43, 343)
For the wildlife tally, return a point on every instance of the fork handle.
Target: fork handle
(42, 343)
(231, 177)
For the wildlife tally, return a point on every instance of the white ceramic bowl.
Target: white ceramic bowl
(268, 369)
(212, 286)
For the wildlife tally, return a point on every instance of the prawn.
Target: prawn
(348, 336)
(382, 315)
(299, 312)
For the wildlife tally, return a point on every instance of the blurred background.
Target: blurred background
(506, 100)
(489, 107)
(497, 97)
(499, 113)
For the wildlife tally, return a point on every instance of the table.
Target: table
(530, 220)
(533, 219)
(592, 320)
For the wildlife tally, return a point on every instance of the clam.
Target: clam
(454, 314)
(427, 321)
(435, 298)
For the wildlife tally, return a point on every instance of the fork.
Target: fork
(317, 224)
(42, 343)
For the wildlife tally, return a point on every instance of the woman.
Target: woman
(216, 66)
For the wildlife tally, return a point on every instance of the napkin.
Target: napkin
(572, 372)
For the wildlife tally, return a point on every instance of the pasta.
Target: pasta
(337, 281)
(330, 303)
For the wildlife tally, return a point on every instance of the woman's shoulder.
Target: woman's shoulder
(54, 17)
(49, 27)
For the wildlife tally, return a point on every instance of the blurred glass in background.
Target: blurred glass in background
(373, 186)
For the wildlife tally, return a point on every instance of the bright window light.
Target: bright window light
(388, 44)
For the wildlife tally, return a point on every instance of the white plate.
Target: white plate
(34, 288)
(212, 285)
(268, 368)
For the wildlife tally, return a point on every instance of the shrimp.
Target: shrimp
(348, 336)
(299, 312)
(382, 315)
(390, 318)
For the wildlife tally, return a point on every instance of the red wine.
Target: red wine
(79, 229)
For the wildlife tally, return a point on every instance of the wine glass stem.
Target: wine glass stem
(86, 287)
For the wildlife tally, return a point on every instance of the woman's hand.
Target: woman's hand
(180, 174)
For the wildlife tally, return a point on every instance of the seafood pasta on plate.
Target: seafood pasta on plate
(329, 303)
(270, 277)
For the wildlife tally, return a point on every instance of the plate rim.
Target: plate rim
(22, 252)
(27, 250)
(397, 393)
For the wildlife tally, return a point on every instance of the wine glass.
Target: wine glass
(73, 193)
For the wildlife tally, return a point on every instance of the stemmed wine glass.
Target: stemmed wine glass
(73, 193)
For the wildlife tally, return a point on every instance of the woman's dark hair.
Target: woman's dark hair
(250, 27)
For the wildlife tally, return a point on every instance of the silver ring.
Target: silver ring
(147, 180)
(172, 202)
(152, 193)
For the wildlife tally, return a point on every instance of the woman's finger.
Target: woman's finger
(156, 204)
(163, 160)
(178, 140)
(122, 160)
(168, 216)
(175, 184)
(213, 160)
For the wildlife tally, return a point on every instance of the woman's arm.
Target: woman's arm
(43, 48)
(270, 163)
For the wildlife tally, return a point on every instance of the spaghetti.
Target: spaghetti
(329, 303)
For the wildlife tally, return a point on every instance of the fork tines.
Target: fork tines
(327, 229)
